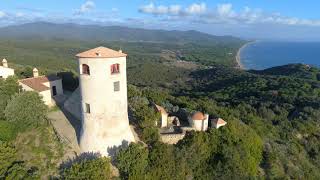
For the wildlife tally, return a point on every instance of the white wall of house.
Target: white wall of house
(200, 125)
(6, 72)
(164, 120)
(46, 95)
(47, 99)
(107, 124)
(57, 84)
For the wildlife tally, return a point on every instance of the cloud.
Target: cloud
(173, 10)
(86, 7)
(2, 14)
(223, 14)
(197, 8)
(225, 10)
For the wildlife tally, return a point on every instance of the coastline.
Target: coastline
(238, 57)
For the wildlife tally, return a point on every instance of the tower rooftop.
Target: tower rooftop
(101, 52)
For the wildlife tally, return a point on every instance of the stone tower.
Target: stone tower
(104, 112)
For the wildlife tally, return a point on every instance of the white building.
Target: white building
(5, 71)
(46, 86)
(164, 116)
(104, 109)
(217, 123)
(199, 121)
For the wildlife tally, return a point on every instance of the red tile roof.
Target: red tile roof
(219, 121)
(101, 52)
(198, 116)
(37, 83)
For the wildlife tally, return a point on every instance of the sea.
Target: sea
(265, 54)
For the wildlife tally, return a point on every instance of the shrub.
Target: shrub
(7, 131)
(132, 162)
(27, 109)
(94, 169)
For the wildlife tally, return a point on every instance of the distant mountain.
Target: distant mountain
(44, 30)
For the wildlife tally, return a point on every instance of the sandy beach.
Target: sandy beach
(238, 57)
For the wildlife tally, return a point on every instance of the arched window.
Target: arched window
(115, 68)
(85, 69)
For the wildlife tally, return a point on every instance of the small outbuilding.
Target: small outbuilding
(5, 71)
(164, 115)
(199, 121)
(218, 122)
(47, 86)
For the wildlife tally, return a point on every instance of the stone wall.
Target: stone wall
(172, 138)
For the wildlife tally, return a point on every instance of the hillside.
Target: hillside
(292, 70)
(44, 30)
(273, 127)
(51, 47)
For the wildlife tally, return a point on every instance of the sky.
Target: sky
(250, 19)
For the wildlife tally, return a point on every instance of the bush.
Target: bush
(8, 88)
(27, 109)
(7, 131)
(94, 169)
(133, 161)
(150, 135)
(11, 167)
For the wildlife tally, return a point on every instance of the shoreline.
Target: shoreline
(238, 57)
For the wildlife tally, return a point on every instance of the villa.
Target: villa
(47, 86)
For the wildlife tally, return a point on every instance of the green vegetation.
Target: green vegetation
(11, 167)
(26, 109)
(273, 127)
(91, 169)
(132, 161)
(29, 147)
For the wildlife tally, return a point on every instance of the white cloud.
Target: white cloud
(225, 10)
(2, 14)
(197, 8)
(173, 10)
(114, 10)
(20, 14)
(86, 7)
(223, 14)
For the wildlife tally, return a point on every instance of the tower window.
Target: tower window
(116, 86)
(115, 68)
(85, 69)
(87, 110)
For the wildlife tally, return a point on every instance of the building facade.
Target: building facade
(199, 121)
(104, 108)
(47, 86)
(5, 71)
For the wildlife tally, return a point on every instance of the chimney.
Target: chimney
(35, 72)
(120, 51)
(4, 63)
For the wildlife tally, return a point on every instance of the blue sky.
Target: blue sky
(253, 19)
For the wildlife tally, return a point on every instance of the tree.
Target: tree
(8, 88)
(27, 109)
(93, 169)
(132, 161)
(11, 167)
